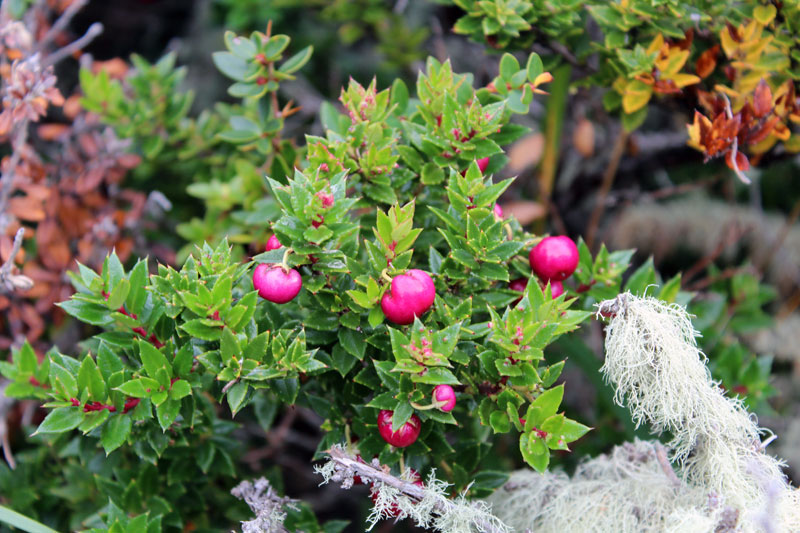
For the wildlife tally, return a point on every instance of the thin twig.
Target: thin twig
(789, 306)
(78, 44)
(370, 473)
(663, 461)
(229, 385)
(725, 274)
(11, 282)
(61, 23)
(608, 180)
(5, 442)
(787, 226)
(735, 148)
(265, 504)
(733, 234)
(7, 179)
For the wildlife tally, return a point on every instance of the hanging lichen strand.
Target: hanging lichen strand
(727, 483)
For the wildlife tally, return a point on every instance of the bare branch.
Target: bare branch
(735, 148)
(663, 461)
(343, 468)
(608, 181)
(7, 179)
(5, 442)
(11, 282)
(78, 44)
(61, 23)
(266, 504)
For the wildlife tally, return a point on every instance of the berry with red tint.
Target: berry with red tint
(554, 258)
(483, 164)
(446, 394)
(273, 243)
(405, 436)
(275, 284)
(498, 212)
(411, 294)
(556, 289)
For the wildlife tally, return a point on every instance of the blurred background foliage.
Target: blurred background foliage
(589, 167)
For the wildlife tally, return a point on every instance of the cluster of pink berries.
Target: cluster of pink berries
(411, 295)
(553, 260)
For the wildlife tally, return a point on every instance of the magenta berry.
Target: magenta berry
(273, 243)
(275, 284)
(556, 289)
(498, 212)
(445, 393)
(483, 164)
(405, 436)
(518, 284)
(554, 258)
(411, 294)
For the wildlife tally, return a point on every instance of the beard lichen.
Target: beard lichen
(727, 483)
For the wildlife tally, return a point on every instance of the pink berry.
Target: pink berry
(483, 163)
(518, 284)
(411, 294)
(498, 212)
(445, 393)
(273, 243)
(556, 289)
(554, 258)
(275, 285)
(405, 436)
(326, 199)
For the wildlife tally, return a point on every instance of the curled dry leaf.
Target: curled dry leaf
(526, 152)
(583, 138)
(525, 212)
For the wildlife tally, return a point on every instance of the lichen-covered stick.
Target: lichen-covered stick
(428, 506)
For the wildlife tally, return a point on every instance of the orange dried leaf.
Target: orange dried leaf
(762, 99)
(526, 152)
(707, 62)
(27, 208)
(583, 138)
(741, 161)
(50, 132)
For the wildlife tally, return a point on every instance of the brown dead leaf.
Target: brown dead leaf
(72, 106)
(524, 212)
(27, 208)
(707, 62)
(526, 152)
(51, 132)
(762, 99)
(115, 67)
(583, 137)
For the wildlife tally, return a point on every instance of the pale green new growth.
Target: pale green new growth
(728, 483)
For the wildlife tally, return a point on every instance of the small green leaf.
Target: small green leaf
(297, 61)
(60, 420)
(115, 432)
(167, 412)
(153, 359)
(236, 396)
(180, 389)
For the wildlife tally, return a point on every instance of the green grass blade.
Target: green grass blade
(24, 523)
